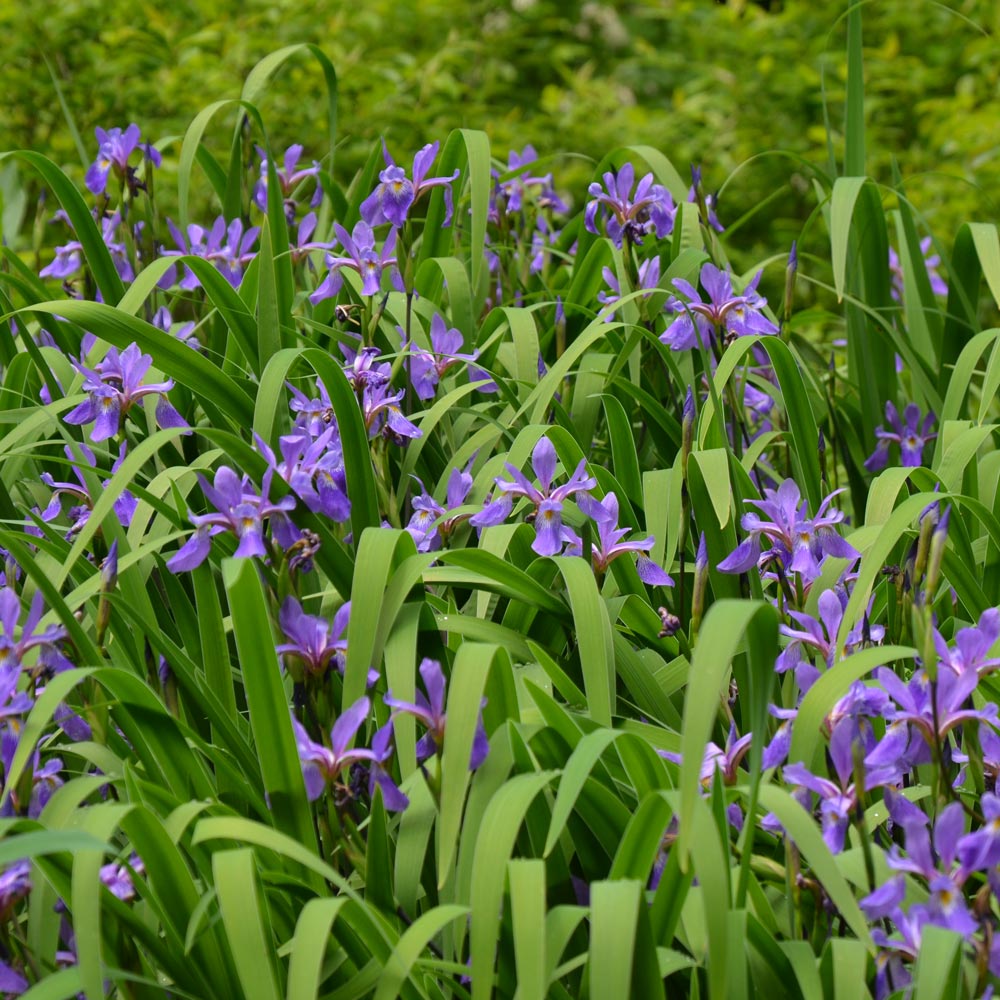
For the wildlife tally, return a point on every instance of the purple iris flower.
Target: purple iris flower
(316, 642)
(13, 652)
(427, 368)
(649, 209)
(15, 884)
(821, 635)
(609, 545)
(68, 260)
(240, 511)
(429, 709)
(972, 646)
(226, 245)
(303, 244)
(184, 332)
(726, 759)
(312, 415)
(980, 850)
(118, 877)
(79, 493)
(361, 257)
(321, 764)
(838, 799)
(431, 524)
(314, 468)
(649, 279)
(395, 194)
(288, 179)
(911, 436)
(515, 189)
(800, 543)
(916, 722)
(114, 149)
(932, 262)
(547, 501)
(731, 314)
(382, 749)
(382, 414)
(114, 387)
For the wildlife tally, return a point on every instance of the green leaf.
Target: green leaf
(527, 909)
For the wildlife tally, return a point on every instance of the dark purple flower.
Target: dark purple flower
(726, 759)
(114, 386)
(383, 415)
(649, 209)
(731, 314)
(429, 709)
(314, 468)
(391, 200)
(911, 437)
(382, 750)
(609, 545)
(15, 884)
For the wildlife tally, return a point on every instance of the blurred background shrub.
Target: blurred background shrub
(738, 87)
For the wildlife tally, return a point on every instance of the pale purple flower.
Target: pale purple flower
(68, 260)
(382, 414)
(909, 433)
(427, 368)
(731, 314)
(322, 765)
(799, 542)
(514, 189)
(240, 511)
(314, 468)
(15, 884)
(649, 209)
(431, 524)
(725, 760)
(79, 492)
(226, 245)
(184, 332)
(13, 651)
(289, 178)
(932, 262)
(114, 386)
(303, 244)
(971, 646)
(114, 149)
(362, 257)
(395, 194)
(429, 709)
(609, 545)
(547, 501)
(117, 877)
(649, 279)
(709, 199)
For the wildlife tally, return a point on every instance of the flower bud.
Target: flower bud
(700, 580)
(687, 429)
(791, 269)
(935, 556)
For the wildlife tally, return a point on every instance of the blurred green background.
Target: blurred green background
(738, 87)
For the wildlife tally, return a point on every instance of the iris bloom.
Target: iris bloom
(314, 468)
(547, 501)
(931, 261)
(609, 545)
(289, 178)
(427, 368)
(321, 764)
(79, 492)
(514, 189)
(240, 511)
(972, 646)
(649, 209)
(13, 652)
(114, 149)
(649, 279)
(383, 415)
(227, 246)
(909, 433)
(69, 257)
(800, 542)
(432, 524)
(114, 387)
(731, 314)
(361, 257)
(395, 194)
(429, 709)
(318, 643)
